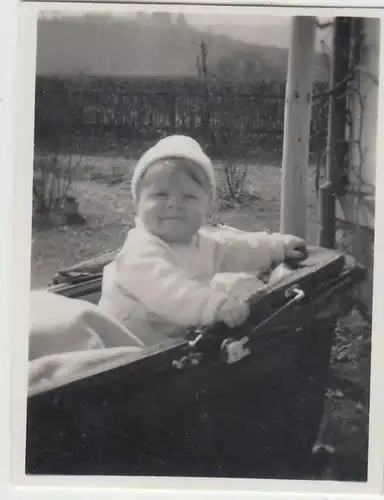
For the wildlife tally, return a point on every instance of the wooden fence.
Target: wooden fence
(97, 115)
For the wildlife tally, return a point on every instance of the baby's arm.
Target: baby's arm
(152, 277)
(241, 251)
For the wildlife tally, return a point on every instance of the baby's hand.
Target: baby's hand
(233, 312)
(294, 247)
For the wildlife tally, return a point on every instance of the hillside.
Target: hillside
(151, 45)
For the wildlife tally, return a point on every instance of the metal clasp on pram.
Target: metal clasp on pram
(189, 361)
(235, 350)
(295, 294)
(199, 335)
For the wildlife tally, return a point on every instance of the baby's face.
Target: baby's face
(171, 205)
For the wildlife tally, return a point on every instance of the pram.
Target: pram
(242, 402)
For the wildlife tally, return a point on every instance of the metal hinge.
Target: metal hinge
(189, 361)
(235, 350)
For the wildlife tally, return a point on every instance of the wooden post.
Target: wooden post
(326, 238)
(206, 129)
(297, 119)
(337, 123)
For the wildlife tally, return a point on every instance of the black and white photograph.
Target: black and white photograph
(202, 222)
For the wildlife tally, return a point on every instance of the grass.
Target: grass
(103, 191)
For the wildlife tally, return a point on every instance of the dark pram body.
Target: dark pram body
(184, 409)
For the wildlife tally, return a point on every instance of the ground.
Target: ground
(103, 191)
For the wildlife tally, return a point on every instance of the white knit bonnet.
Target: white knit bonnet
(174, 146)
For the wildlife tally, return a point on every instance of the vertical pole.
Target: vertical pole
(207, 135)
(297, 119)
(337, 123)
(326, 236)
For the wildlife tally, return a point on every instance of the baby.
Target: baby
(167, 275)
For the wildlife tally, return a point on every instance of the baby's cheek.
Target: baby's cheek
(154, 209)
(151, 217)
(152, 204)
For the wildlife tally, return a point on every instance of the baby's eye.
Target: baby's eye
(161, 194)
(190, 197)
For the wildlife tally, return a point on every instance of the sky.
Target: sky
(264, 30)
(250, 27)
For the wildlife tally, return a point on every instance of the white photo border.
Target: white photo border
(17, 115)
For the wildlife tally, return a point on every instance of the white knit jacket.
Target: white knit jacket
(153, 283)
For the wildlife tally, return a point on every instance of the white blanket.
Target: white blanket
(70, 339)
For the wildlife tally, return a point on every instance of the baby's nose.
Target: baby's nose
(174, 200)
